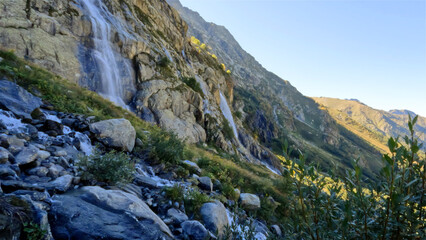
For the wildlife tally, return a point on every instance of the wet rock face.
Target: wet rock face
(17, 99)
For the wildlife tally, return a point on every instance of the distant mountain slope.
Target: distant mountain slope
(273, 110)
(377, 124)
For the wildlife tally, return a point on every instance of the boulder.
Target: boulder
(214, 217)
(27, 155)
(52, 128)
(194, 230)
(117, 133)
(61, 184)
(249, 201)
(4, 155)
(177, 216)
(193, 165)
(7, 173)
(205, 183)
(113, 214)
(17, 100)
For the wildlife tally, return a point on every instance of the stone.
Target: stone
(193, 165)
(205, 183)
(52, 127)
(249, 201)
(5, 155)
(13, 185)
(27, 155)
(7, 173)
(117, 133)
(146, 182)
(60, 153)
(17, 100)
(12, 143)
(54, 170)
(39, 171)
(217, 185)
(194, 230)
(214, 217)
(275, 229)
(114, 214)
(43, 154)
(60, 184)
(177, 216)
(34, 195)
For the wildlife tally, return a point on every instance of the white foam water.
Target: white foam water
(11, 122)
(160, 182)
(226, 111)
(105, 57)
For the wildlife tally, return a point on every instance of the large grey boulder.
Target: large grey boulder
(249, 201)
(177, 216)
(205, 183)
(27, 155)
(96, 213)
(17, 99)
(117, 133)
(194, 230)
(214, 217)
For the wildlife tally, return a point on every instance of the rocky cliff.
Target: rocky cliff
(272, 109)
(136, 54)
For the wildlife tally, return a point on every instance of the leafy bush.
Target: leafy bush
(193, 84)
(227, 130)
(165, 148)
(163, 62)
(392, 207)
(194, 199)
(33, 231)
(112, 168)
(229, 192)
(174, 193)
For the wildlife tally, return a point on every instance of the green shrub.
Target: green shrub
(193, 84)
(227, 131)
(174, 193)
(182, 172)
(229, 192)
(165, 148)
(194, 199)
(33, 231)
(163, 62)
(112, 168)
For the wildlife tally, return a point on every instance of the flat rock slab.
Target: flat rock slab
(17, 99)
(96, 213)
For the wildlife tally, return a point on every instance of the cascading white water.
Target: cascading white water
(103, 52)
(226, 111)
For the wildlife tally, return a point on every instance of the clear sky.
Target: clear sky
(374, 50)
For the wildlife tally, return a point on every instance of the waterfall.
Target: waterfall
(105, 57)
(227, 113)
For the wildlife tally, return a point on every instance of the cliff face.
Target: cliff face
(272, 109)
(135, 53)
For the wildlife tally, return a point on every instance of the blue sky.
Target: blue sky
(374, 50)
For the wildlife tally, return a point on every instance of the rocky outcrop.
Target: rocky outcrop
(116, 133)
(17, 99)
(113, 213)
